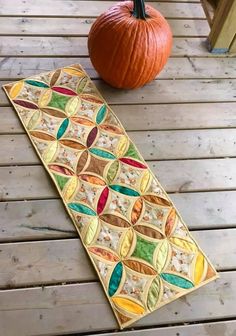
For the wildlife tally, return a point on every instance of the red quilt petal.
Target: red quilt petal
(133, 163)
(102, 200)
(64, 91)
(92, 136)
(26, 104)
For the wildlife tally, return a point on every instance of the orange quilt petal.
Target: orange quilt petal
(115, 220)
(139, 267)
(82, 162)
(82, 121)
(54, 113)
(103, 253)
(91, 98)
(149, 232)
(156, 200)
(170, 222)
(42, 135)
(72, 144)
(92, 179)
(137, 210)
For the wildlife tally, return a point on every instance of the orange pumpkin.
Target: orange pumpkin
(129, 44)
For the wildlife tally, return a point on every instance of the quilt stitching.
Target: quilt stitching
(138, 243)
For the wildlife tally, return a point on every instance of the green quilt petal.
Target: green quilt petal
(115, 279)
(153, 294)
(101, 114)
(102, 153)
(82, 209)
(177, 280)
(36, 83)
(132, 152)
(112, 171)
(61, 180)
(62, 128)
(124, 190)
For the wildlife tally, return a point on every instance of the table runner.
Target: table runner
(137, 241)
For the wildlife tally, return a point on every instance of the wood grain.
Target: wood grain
(77, 46)
(157, 117)
(65, 309)
(73, 8)
(33, 182)
(50, 262)
(205, 329)
(80, 27)
(165, 91)
(194, 93)
(32, 220)
(12, 68)
(155, 145)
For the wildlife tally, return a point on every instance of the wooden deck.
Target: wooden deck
(185, 125)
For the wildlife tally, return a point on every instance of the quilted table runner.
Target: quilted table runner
(139, 245)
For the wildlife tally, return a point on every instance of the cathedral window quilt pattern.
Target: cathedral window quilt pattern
(139, 245)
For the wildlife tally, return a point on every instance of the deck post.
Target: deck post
(223, 28)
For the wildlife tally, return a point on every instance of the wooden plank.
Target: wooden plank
(215, 328)
(79, 27)
(73, 8)
(77, 46)
(195, 67)
(65, 309)
(31, 220)
(207, 210)
(155, 145)
(181, 67)
(223, 28)
(157, 117)
(173, 91)
(172, 116)
(56, 261)
(164, 91)
(33, 182)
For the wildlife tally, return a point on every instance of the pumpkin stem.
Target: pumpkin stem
(139, 9)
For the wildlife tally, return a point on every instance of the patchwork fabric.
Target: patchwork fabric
(138, 243)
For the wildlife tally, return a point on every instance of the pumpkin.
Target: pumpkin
(129, 44)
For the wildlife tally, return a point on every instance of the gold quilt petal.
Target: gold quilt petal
(91, 231)
(72, 106)
(128, 305)
(15, 89)
(70, 188)
(50, 152)
(126, 243)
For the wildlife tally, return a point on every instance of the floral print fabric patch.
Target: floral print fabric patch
(140, 247)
